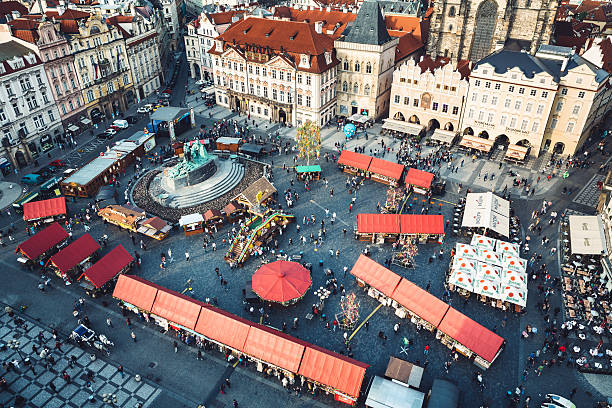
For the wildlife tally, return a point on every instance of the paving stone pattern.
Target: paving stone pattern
(589, 195)
(34, 386)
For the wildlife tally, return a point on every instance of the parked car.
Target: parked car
(144, 109)
(115, 128)
(131, 119)
(121, 123)
(110, 132)
(32, 179)
(58, 163)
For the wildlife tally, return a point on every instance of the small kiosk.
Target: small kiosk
(155, 228)
(228, 143)
(313, 172)
(256, 194)
(354, 163)
(42, 244)
(213, 216)
(386, 172)
(233, 211)
(122, 216)
(192, 224)
(419, 180)
(45, 211)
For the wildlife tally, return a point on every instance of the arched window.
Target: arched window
(451, 11)
(366, 90)
(357, 66)
(355, 87)
(344, 86)
(368, 68)
(345, 65)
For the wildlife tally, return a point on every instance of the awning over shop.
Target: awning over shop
(75, 253)
(388, 394)
(426, 224)
(472, 335)
(108, 267)
(73, 128)
(419, 178)
(375, 275)
(136, 291)
(587, 236)
(516, 152)
(386, 168)
(405, 372)
(337, 371)
(475, 142)
(218, 325)
(443, 136)
(402, 127)
(176, 308)
(486, 210)
(420, 302)
(35, 210)
(378, 223)
(353, 159)
(308, 169)
(42, 241)
(190, 219)
(251, 148)
(274, 347)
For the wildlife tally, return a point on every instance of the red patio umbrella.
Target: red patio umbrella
(281, 281)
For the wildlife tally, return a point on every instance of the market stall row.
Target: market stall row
(453, 329)
(270, 349)
(380, 170)
(381, 228)
(71, 260)
(136, 220)
(99, 278)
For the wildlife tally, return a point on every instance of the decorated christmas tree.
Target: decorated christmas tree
(349, 305)
(308, 141)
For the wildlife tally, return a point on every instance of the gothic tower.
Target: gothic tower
(472, 29)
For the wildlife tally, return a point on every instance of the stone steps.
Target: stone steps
(230, 181)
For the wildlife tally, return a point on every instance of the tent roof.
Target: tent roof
(213, 212)
(388, 394)
(45, 208)
(326, 367)
(274, 347)
(190, 219)
(419, 301)
(260, 185)
(176, 308)
(475, 142)
(251, 148)
(281, 281)
(516, 152)
(472, 335)
(486, 210)
(386, 168)
(223, 327)
(108, 267)
(444, 136)
(421, 224)
(75, 253)
(378, 223)
(419, 178)
(353, 159)
(136, 291)
(42, 241)
(375, 275)
(313, 168)
(404, 372)
(228, 140)
(587, 235)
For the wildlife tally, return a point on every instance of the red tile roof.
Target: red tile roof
(408, 44)
(7, 7)
(463, 66)
(606, 49)
(224, 17)
(335, 21)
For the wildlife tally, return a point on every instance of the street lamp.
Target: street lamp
(322, 293)
(109, 399)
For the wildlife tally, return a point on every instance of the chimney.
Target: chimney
(421, 59)
(564, 65)
(319, 27)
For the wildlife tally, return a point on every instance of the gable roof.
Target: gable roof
(334, 21)
(369, 26)
(11, 49)
(224, 17)
(428, 63)
(7, 8)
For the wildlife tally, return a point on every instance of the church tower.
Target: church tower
(472, 29)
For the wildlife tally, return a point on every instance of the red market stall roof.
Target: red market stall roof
(108, 267)
(224, 327)
(176, 308)
(472, 335)
(281, 281)
(42, 241)
(337, 371)
(420, 302)
(375, 275)
(274, 347)
(136, 291)
(421, 224)
(353, 159)
(386, 168)
(419, 178)
(74, 254)
(45, 208)
(378, 223)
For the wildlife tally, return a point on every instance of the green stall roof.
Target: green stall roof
(308, 169)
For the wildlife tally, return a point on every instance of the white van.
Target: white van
(121, 123)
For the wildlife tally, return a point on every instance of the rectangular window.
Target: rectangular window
(288, 76)
(406, 100)
(532, 92)
(576, 109)
(258, 90)
(274, 94)
(497, 87)
(90, 96)
(474, 97)
(299, 78)
(308, 80)
(570, 127)
(63, 109)
(490, 118)
(281, 75)
(494, 100)
(485, 98)
(480, 115)
(487, 84)
(524, 124)
(564, 91)
(553, 123)
(251, 89)
(477, 82)
(534, 127)
(581, 94)
(51, 115)
(299, 99)
(250, 72)
(471, 114)
(507, 103)
(455, 110)
(435, 106)
(559, 106)
(2, 115)
(521, 91)
(511, 88)
(517, 105)
(512, 122)
(16, 109)
(263, 72)
(273, 74)
(289, 97)
(540, 109)
(544, 94)
(415, 103)
(265, 89)
(396, 99)
(282, 96)
(257, 73)
(502, 121)
(444, 108)
(307, 99)
(528, 107)
(72, 105)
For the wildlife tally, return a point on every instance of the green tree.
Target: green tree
(308, 141)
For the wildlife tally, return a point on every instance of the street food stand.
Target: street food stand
(470, 143)
(99, 278)
(38, 247)
(516, 154)
(45, 211)
(192, 224)
(422, 227)
(406, 373)
(122, 216)
(283, 282)
(354, 163)
(421, 307)
(154, 227)
(213, 216)
(419, 180)
(228, 143)
(222, 328)
(233, 211)
(313, 172)
(386, 172)
(389, 394)
(69, 262)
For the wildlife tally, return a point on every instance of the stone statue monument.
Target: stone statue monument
(196, 166)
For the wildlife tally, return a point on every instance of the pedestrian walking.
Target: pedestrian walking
(120, 370)
(367, 325)
(227, 383)
(108, 322)
(199, 357)
(66, 377)
(574, 390)
(127, 321)
(426, 350)
(186, 256)
(222, 389)
(133, 336)
(396, 328)
(170, 259)
(235, 403)
(175, 347)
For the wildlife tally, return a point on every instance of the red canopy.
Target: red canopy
(274, 347)
(281, 281)
(375, 275)
(223, 327)
(136, 291)
(42, 241)
(176, 308)
(108, 267)
(353, 159)
(419, 178)
(45, 208)
(386, 168)
(420, 302)
(472, 335)
(74, 254)
(378, 223)
(421, 224)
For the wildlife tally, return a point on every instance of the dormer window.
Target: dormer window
(31, 58)
(304, 61)
(328, 58)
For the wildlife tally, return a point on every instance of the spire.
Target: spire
(369, 26)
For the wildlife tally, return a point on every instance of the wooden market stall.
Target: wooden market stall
(213, 216)
(516, 153)
(45, 211)
(256, 194)
(313, 172)
(122, 216)
(404, 372)
(223, 328)
(386, 172)
(154, 227)
(99, 278)
(382, 228)
(192, 224)
(228, 143)
(43, 244)
(470, 142)
(424, 227)
(71, 260)
(354, 163)
(135, 293)
(233, 211)
(419, 180)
